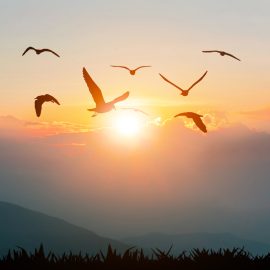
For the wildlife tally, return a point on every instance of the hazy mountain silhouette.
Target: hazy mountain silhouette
(231, 195)
(189, 241)
(26, 228)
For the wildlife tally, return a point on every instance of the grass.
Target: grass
(136, 259)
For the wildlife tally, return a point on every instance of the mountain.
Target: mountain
(28, 229)
(187, 242)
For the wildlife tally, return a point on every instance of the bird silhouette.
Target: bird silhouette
(131, 71)
(196, 118)
(101, 105)
(39, 51)
(39, 100)
(183, 92)
(222, 53)
(136, 110)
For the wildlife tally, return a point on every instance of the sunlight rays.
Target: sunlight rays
(128, 124)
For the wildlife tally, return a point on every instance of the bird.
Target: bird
(101, 105)
(39, 51)
(222, 53)
(196, 118)
(39, 100)
(183, 92)
(136, 110)
(131, 71)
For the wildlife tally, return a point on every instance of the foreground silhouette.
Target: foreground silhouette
(39, 100)
(39, 51)
(196, 118)
(183, 92)
(222, 53)
(132, 259)
(101, 105)
(131, 71)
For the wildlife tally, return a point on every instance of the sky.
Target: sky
(169, 36)
(166, 175)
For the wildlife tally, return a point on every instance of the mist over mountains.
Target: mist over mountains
(20, 227)
(187, 242)
(171, 179)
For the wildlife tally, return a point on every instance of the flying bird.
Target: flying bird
(39, 100)
(101, 105)
(196, 118)
(183, 92)
(131, 71)
(222, 53)
(136, 110)
(39, 51)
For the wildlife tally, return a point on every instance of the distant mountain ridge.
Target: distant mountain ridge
(28, 229)
(189, 241)
(21, 227)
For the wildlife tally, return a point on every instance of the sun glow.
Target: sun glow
(128, 124)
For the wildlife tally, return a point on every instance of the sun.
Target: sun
(128, 124)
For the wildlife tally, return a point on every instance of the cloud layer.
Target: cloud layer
(169, 179)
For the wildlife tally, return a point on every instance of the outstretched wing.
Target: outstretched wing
(199, 123)
(121, 98)
(27, 49)
(211, 51)
(231, 55)
(38, 105)
(94, 89)
(141, 67)
(197, 81)
(165, 79)
(135, 110)
(48, 50)
(180, 114)
(121, 67)
(53, 99)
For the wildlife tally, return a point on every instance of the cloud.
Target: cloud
(257, 119)
(14, 127)
(259, 114)
(212, 118)
(168, 179)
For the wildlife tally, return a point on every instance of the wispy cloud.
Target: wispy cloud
(55, 127)
(12, 126)
(258, 114)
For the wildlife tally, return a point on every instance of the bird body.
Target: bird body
(196, 118)
(222, 53)
(184, 92)
(95, 91)
(39, 100)
(131, 71)
(39, 51)
(103, 109)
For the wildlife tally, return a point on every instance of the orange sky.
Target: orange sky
(71, 165)
(168, 36)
